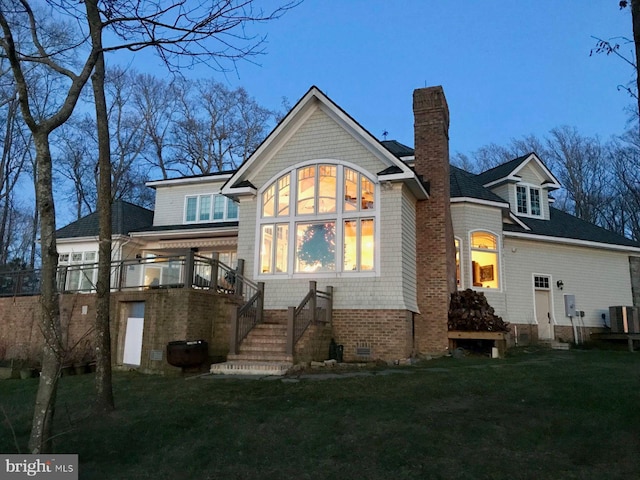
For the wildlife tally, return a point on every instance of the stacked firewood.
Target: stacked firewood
(469, 311)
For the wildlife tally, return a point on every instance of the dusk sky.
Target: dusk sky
(508, 68)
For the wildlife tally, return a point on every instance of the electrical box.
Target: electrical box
(570, 305)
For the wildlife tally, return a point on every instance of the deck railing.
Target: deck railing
(315, 308)
(179, 271)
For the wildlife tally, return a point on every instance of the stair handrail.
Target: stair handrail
(246, 316)
(316, 307)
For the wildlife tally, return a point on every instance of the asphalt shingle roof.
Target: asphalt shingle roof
(465, 184)
(501, 171)
(397, 148)
(564, 225)
(125, 217)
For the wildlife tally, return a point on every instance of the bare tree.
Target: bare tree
(180, 32)
(218, 128)
(75, 163)
(580, 164)
(18, 17)
(156, 103)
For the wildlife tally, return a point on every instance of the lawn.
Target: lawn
(537, 414)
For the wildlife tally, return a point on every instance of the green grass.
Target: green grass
(535, 415)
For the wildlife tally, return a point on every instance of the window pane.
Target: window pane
(350, 245)
(485, 269)
(190, 214)
(218, 207)
(306, 190)
(268, 207)
(366, 244)
(484, 260)
(205, 208)
(367, 194)
(232, 209)
(484, 240)
(284, 196)
(316, 247)
(350, 190)
(535, 201)
(327, 189)
(266, 246)
(521, 193)
(282, 247)
(458, 274)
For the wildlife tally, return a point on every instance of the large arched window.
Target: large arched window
(318, 218)
(485, 269)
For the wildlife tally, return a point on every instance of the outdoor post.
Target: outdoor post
(215, 268)
(233, 343)
(329, 304)
(260, 303)
(240, 274)
(188, 269)
(291, 319)
(313, 300)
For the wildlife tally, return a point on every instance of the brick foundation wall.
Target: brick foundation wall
(20, 334)
(388, 333)
(435, 250)
(171, 314)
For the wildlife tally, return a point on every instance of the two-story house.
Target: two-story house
(394, 231)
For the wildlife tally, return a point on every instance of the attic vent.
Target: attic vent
(363, 349)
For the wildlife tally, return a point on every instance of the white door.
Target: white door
(133, 341)
(543, 312)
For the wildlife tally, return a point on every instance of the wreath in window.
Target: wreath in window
(318, 245)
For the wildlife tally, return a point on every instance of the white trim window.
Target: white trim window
(209, 208)
(318, 218)
(529, 200)
(485, 251)
(457, 243)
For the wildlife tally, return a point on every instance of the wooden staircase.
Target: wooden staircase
(262, 352)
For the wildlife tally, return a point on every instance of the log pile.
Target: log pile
(469, 311)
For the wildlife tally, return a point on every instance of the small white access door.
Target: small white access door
(132, 354)
(543, 308)
(133, 341)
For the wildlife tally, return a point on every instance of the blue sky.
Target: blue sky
(508, 68)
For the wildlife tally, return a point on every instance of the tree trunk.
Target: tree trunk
(104, 387)
(40, 439)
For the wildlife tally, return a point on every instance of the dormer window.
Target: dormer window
(528, 200)
(209, 208)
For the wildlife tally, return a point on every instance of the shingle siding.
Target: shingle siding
(319, 138)
(598, 279)
(170, 200)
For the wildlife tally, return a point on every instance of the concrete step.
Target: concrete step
(268, 348)
(560, 346)
(243, 367)
(261, 357)
(265, 340)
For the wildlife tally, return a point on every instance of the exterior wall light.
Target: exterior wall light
(560, 284)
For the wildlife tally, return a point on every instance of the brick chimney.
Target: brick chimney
(435, 249)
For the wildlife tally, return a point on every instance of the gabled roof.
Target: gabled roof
(562, 225)
(125, 217)
(398, 149)
(466, 185)
(509, 172)
(313, 99)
